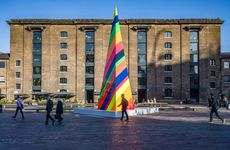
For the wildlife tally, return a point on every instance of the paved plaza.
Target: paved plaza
(166, 130)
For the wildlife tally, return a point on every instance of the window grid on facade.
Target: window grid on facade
(2, 64)
(213, 73)
(63, 45)
(212, 62)
(168, 92)
(63, 34)
(63, 68)
(212, 85)
(226, 64)
(168, 68)
(18, 86)
(63, 57)
(18, 74)
(37, 60)
(227, 78)
(168, 45)
(168, 56)
(2, 79)
(167, 34)
(142, 64)
(63, 80)
(168, 79)
(18, 62)
(194, 64)
(89, 65)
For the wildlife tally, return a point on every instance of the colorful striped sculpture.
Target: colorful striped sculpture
(115, 79)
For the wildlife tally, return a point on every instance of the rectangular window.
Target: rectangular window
(193, 36)
(142, 59)
(212, 62)
(194, 47)
(141, 37)
(37, 59)
(212, 85)
(89, 81)
(63, 57)
(168, 56)
(168, 45)
(168, 68)
(142, 81)
(226, 65)
(194, 58)
(89, 47)
(2, 79)
(63, 68)
(168, 92)
(89, 58)
(37, 70)
(167, 34)
(18, 74)
(63, 80)
(2, 64)
(63, 34)
(141, 70)
(63, 45)
(36, 81)
(193, 69)
(89, 70)
(227, 78)
(18, 86)
(213, 73)
(194, 81)
(168, 79)
(18, 63)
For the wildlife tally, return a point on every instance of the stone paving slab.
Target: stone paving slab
(167, 130)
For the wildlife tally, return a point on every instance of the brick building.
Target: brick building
(225, 73)
(170, 59)
(4, 67)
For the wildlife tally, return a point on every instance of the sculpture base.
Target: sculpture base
(115, 114)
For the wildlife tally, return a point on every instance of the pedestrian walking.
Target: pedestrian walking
(49, 108)
(59, 111)
(214, 106)
(19, 107)
(124, 104)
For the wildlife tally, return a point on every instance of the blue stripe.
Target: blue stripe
(116, 58)
(117, 81)
(115, 20)
(121, 76)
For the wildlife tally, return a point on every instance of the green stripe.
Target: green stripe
(110, 75)
(115, 29)
(112, 103)
(107, 81)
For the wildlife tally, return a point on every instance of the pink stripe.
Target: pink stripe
(116, 50)
(116, 91)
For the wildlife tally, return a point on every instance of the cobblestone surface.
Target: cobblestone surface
(167, 130)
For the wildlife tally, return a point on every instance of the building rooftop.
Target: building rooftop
(4, 56)
(225, 55)
(109, 21)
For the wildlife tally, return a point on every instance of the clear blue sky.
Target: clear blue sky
(103, 9)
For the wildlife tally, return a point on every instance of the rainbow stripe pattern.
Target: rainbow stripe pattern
(115, 79)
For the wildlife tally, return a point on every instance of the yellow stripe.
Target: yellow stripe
(117, 95)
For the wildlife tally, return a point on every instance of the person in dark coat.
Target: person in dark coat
(59, 110)
(49, 108)
(214, 104)
(124, 104)
(19, 107)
